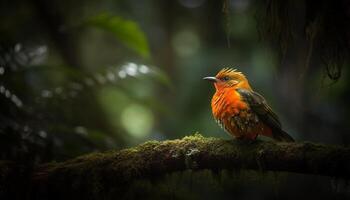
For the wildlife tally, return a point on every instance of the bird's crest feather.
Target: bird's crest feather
(228, 71)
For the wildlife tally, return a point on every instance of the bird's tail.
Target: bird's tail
(282, 136)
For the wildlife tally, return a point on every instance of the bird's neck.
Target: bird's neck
(243, 85)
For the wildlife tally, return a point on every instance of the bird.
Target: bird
(241, 111)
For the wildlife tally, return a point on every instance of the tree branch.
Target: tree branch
(98, 173)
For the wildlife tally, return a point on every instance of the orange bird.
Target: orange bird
(242, 112)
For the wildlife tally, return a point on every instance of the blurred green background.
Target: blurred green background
(111, 74)
(84, 76)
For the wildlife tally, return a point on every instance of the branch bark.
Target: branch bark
(110, 172)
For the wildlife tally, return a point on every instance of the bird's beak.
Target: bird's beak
(211, 78)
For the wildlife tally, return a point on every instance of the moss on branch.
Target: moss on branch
(110, 172)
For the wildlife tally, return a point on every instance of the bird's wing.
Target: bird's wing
(259, 105)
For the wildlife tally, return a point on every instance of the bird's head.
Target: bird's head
(229, 78)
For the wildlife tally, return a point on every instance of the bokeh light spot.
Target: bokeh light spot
(186, 43)
(143, 69)
(122, 74)
(131, 69)
(137, 120)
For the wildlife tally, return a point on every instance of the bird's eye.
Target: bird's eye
(225, 78)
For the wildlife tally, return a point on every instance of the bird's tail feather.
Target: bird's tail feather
(282, 136)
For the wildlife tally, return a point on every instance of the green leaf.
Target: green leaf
(126, 31)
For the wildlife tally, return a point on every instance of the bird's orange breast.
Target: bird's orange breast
(227, 102)
(235, 116)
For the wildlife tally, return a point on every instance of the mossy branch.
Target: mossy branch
(102, 172)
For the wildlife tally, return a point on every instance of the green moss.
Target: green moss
(195, 136)
(149, 144)
(115, 170)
